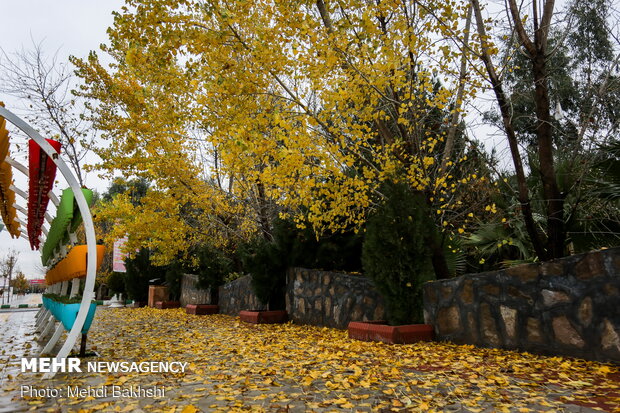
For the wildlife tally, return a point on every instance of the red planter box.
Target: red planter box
(162, 305)
(264, 317)
(379, 331)
(359, 330)
(201, 309)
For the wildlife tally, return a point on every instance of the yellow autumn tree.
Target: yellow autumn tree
(237, 110)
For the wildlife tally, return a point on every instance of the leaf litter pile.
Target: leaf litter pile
(234, 366)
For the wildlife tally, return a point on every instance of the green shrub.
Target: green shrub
(268, 260)
(174, 278)
(116, 283)
(139, 272)
(64, 299)
(213, 266)
(233, 276)
(395, 252)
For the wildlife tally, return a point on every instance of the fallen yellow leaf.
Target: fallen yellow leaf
(189, 409)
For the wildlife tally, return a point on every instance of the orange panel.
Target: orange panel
(73, 265)
(7, 199)
(7, 196)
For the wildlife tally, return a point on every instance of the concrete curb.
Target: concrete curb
(13, 307)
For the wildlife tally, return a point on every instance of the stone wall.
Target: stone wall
(312, 297)
(331, 299)
(191, 294)
(237, 295)
(569, 306)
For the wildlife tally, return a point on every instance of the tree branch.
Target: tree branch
(516, 17)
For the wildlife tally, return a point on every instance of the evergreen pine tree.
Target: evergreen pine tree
(395, 253)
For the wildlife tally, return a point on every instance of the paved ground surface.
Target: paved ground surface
(16, 340)
(15, 300)
(234, 366)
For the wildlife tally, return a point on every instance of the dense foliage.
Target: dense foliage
(396, 253)
(116, 283)
(262, 135)
(139, 271)
(268, 259)
(329, 102)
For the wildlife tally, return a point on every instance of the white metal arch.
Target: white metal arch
(24, 211)
(24, 195)
(21, 168)
(89, 229)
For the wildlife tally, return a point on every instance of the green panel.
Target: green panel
(22, 306)
(64, 215)
(67, 214)
(77, 216)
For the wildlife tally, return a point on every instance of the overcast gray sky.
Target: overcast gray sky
(69, 27)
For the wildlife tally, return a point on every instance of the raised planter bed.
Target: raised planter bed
(162, 305)
(67, 313)
(380, 331)
(264, 317)
(201, 309)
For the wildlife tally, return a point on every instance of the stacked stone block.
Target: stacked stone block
(331, 299)
(191, 294)
(238, 295)
(569, 306)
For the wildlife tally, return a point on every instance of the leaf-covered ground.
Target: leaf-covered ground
(235, 366)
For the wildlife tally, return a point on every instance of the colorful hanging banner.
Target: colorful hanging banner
(118, 256)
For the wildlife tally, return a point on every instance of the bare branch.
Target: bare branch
(44, 87)
(516, 18)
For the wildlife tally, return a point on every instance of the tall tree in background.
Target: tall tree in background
(242, 111)
(8, 266)
(42, 86)
(583, 81)
(584, 92)
(20, 284)
(534, 88)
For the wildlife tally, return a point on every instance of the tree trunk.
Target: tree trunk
(83, 345)
(504, 106)
(556, 233)
(438, 258)
(263, 211)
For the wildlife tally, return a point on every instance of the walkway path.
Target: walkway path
(31, 300)
(234, 366)
(16, 341)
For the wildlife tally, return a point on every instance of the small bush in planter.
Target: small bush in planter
(267, 262)
(116, 283)
(63, 299)
(139, 272)
(395, 252)
(65, 309)
(213, 267)
(174, 277)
